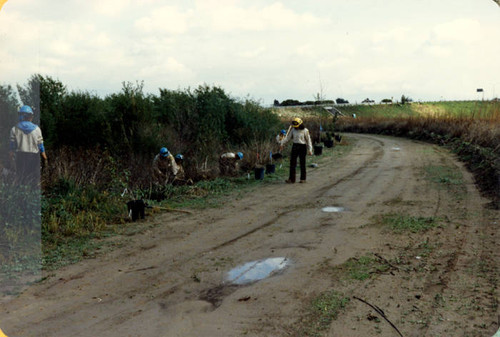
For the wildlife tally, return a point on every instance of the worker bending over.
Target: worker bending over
(228, 163)
(164, 167)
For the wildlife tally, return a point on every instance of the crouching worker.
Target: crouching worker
(228, 163)
(302, 145)
(180, 177)
(164, 167)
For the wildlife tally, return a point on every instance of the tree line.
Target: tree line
(198, 122)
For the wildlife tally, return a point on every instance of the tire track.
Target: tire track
(314, 195)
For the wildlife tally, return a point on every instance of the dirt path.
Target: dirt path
(171, 280)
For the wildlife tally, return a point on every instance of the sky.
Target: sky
(427, 50)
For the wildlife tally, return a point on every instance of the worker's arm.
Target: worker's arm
(42, 151)
(156, 166)
(287, 138)
(308, 142)
(39, 141)
(175, 168)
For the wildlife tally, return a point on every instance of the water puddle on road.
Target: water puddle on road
(256, 270)
(333, 209)
(396, 149)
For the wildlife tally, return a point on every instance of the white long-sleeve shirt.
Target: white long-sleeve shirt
(299, 137)
(26, 137)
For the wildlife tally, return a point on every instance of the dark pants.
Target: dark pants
(28, 168)
(298, 150)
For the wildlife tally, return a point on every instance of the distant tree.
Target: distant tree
(128, 112)
(276, 102)
(341, 101)
(290, 102)
(84, 122)
(386, 100)
(405, 99)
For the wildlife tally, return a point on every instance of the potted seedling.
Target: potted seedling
(270, 168)
(329, 140)
(259, 169)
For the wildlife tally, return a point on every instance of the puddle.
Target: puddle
(396, 149)
(256, 270)
(332, 209)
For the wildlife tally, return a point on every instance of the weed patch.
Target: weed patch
(362, 268)
(399, 223)
(322, 311)
(444, 175)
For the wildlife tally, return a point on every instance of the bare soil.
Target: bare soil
(171, 279)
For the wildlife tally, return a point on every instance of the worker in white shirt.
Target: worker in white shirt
(302, 145)
(228, 163)
(26, 147)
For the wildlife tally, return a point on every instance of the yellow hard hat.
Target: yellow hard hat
(296, 122)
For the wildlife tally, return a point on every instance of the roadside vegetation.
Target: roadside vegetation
(100, 149)
(100, 153)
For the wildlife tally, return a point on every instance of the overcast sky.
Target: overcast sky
(264, 50)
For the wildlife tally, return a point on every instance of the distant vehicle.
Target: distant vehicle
(341, 101)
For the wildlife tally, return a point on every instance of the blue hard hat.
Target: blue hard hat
(240, 155)
(164, 152)
(179, 156)
(25, 109)
(283, 132)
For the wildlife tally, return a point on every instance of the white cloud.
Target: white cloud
(111, 8)
(252, 53)
(167, 19)
(168, 67)
(228, 16)
(463, 30)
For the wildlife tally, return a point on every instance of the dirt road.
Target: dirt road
(171, 280)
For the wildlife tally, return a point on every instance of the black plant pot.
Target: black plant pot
(270, 168)
(136, 209)
(259, 173)
(318, 150)
(328, 143)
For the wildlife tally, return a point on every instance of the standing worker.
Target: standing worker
(26, 146)
(301, 146)
(228, 163)
(164, 167)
